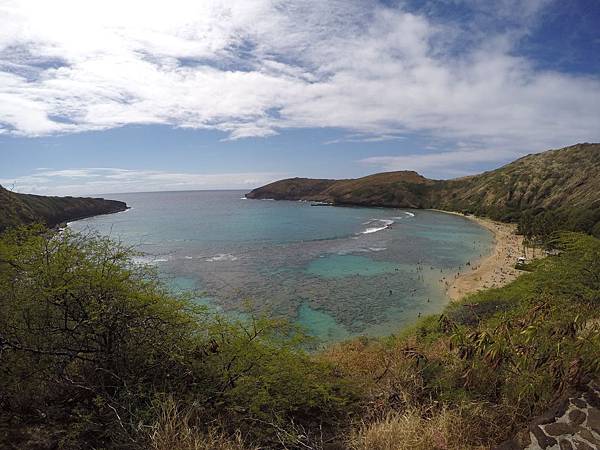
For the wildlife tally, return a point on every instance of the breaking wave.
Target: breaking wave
(222, 257)
(377, 225)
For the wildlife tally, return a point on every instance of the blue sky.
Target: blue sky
(101, 97)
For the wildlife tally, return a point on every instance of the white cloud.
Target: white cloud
(96, 181)
(448, 163)
(360, 137)
(253, 67)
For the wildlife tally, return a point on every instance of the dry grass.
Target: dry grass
(403, 411)
(390, 375)
(175, 431)
(392, 378)
(444, 430)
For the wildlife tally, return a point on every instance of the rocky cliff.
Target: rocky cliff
(19, 209)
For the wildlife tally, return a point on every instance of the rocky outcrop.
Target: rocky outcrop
(573, 423)
(293, 189)
(405, 189)
(21, 209)
(566, 181)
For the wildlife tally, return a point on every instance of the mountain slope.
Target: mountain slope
(564, 182)
(18, 209)
(402, 189)
(555, 179)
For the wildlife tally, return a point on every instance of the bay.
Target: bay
(337, 271)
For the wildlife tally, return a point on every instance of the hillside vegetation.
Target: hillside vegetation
(557, 186)
(96, 353)
(19, 209)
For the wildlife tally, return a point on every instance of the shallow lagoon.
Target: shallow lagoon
(337, 271)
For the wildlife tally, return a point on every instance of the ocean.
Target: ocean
(337, 271)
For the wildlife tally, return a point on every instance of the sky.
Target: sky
(125, 96)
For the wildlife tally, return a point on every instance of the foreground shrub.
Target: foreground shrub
(91, 344)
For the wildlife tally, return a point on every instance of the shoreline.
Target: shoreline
(64, 225)
(493, 270)
(490, 271)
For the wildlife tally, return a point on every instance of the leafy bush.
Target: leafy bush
(91, 344)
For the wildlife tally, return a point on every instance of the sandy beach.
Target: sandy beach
(494, 270)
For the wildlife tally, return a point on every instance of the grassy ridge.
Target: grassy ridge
(560, 185)
(563, 182)
(95, 353)
(19, 209)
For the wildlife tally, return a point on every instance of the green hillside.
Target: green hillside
(19, 209)
(568, 178)
(564, 184)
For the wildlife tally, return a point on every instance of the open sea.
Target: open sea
(337, 271)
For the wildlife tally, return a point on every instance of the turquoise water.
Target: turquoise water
(336, 271)
(336, 266)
